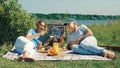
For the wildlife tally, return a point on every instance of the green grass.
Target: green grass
(105, 34)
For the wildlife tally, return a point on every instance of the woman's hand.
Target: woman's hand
(30, 36)
(46, 43)
(42, 32)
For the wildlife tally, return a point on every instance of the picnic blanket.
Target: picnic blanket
(63, 55)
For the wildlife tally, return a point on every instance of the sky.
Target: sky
(98, 7)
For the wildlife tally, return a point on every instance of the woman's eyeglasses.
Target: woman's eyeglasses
(42, 25)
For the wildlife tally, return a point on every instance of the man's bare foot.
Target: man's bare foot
(109, 54)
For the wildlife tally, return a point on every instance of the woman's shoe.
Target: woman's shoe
(27, 59)
(20, 59)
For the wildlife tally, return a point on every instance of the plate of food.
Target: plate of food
(42, 50)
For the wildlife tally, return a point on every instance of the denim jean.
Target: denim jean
(88, 46)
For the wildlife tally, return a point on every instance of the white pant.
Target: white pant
(22, 44)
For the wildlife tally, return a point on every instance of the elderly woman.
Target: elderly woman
(82, 41)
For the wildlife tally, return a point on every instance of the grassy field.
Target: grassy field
(4, 63)
(106, 35)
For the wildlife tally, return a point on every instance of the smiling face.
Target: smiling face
(72, 26)
(41, 26)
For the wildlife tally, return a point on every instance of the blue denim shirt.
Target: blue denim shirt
(38, 39)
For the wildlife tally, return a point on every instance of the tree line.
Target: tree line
(63, 16)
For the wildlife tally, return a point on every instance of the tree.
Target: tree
(14, 21)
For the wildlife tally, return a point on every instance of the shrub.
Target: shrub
(14, 21)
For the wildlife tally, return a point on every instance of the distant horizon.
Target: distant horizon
(89, 7)
(80, 14)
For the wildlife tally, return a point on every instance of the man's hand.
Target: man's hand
(75, 42)
(70, 45)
